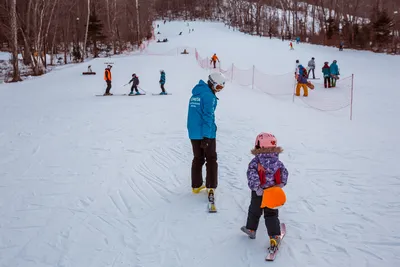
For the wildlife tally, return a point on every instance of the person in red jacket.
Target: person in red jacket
(108, 78)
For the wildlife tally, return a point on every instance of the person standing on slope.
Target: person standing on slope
(296, 70)
(162, 82)
(311, 67)
(214, 59)
(326, 71)
(302, 81)
(266, 175)
(334, 73)
(202, 132)
(135, 83)
(108, 78)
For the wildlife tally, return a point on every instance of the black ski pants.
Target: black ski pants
(162, 88)
(313, 73)
(327, 82)
(134, 87)
(108, 87)
(271, 216)
(200, 156)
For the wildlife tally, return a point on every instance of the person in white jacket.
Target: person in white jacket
(296, 71)
(311, 67)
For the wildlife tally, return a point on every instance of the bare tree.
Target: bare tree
(14, 40)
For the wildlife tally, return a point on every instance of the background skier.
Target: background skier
(135, 83)
(326, 70)
(214, 59)
(334, 73)
(302, 81)
(162, 82)
(311, 67)
(202, 132)
(108, 78)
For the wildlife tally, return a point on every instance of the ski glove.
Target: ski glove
(205, 142)
(259, 191)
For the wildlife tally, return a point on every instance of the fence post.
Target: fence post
(232, 74)
(252, 83)
(352, 95)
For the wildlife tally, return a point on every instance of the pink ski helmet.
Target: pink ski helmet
(265, 140)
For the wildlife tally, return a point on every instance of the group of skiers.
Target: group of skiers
(331, 75)
(134, 81)
(266, 174)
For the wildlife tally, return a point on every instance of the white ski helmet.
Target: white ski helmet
(217, 81)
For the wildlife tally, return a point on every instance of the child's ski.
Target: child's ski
(273, 251)
(211, 202)
(163, 94)
(134, 94)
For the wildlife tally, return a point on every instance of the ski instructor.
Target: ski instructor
(202, 131)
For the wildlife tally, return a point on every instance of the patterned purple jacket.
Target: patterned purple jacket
(269, 159)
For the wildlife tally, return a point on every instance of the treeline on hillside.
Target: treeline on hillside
(75, 28)
(360, 24)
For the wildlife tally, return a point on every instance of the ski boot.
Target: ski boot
(105, 94)
(131, 93)
(198, 189)
(250, 233)
(274, 242)
(163, 93)
(137, 93)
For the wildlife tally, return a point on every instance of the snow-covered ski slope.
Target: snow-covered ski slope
(91, 181)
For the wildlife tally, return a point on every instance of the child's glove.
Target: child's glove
(259, 191)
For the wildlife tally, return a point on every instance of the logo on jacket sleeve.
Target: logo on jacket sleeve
(194, 102)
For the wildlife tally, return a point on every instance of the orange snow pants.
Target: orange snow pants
(305, 89)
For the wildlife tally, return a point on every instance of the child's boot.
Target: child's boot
(250, 233)
(198, 189)
(274, 241)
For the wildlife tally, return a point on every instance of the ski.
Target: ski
(211, 202)
(273, 251)
(160, 94)
(122, 95)
(112, 95)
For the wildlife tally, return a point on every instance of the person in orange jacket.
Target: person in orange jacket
(214, 59)
(108, 78)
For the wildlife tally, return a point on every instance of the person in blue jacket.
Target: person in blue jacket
(334, 73)
(202, 132)
(162, 82)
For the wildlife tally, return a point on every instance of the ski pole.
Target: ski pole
(142, 89)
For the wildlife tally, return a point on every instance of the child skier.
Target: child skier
(327, 75)
(162, 82)
(135, 83)
(265, 172)
(291, 46)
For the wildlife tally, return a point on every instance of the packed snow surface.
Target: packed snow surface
(90, 181)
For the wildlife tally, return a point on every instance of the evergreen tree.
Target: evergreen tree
(95, 31)
(382, 26)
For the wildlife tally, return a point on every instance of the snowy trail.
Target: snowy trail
(105, 181)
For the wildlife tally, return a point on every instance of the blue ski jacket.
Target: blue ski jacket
(201, 117)
(334, 69)
(162, 78)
